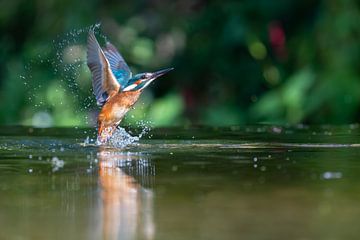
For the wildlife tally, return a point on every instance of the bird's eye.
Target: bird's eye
(143, 76)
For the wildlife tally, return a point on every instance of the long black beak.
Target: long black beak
(149, 78)
(161, 72)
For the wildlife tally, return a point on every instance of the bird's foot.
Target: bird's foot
(105, 134)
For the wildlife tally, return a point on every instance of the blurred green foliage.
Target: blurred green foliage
(236, 62)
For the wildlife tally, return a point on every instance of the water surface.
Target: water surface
(250, 182)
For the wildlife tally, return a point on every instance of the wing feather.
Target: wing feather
(103, 80)
(118, 65)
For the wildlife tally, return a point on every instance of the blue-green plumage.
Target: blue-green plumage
(118, 65)
(123, 73)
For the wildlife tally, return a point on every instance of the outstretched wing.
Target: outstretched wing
(103, 80)
(118, 65)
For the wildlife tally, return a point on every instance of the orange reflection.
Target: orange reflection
(127, 206)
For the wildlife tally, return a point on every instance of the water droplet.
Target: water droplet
(57, 164)
(332, 175)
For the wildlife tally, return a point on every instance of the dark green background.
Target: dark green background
(237, 62)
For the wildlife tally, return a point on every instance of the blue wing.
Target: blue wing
(118, 65)
(103, 80)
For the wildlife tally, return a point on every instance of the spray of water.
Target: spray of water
(65, 85)
(120, 139)
(67, 59)
(70, 65)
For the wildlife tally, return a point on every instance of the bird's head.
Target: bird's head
(142, 80)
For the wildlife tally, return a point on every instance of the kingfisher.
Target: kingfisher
(114, 87)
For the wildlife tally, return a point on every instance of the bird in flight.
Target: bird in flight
(114, 87)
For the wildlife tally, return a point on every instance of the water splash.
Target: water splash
(121, 138)
(57, 164)
(66, 57)
(145, 127)
(69, 65)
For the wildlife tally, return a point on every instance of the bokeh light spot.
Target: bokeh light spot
(257, 50)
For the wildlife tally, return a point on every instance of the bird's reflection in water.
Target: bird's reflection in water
(127, 200)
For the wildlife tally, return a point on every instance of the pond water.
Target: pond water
(249, 182)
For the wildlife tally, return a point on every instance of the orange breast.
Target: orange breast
(116, 107)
